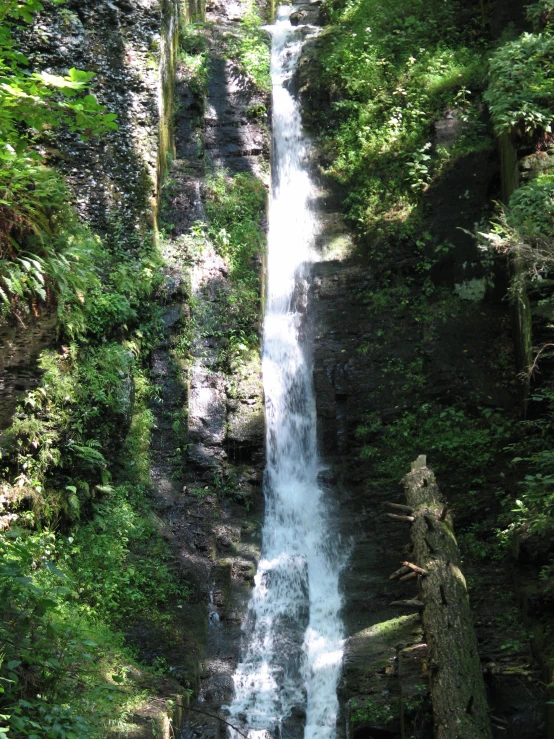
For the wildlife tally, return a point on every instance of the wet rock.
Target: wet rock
(306, 14)
(448, 129)
(227, 536)
(20, 348)
(207, 408)
(534, 164)
(204, 457)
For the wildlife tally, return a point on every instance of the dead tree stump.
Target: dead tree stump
(456, 680)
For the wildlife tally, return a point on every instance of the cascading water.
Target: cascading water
(292, 656)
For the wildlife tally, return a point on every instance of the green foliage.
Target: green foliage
(478, 541)
(121, 565)
(391, 71)
(533, 505)
(452, 438)
(45, 254)
(250, 49)
(531, 208)
(541, 14)
(235, 207)
(38, 650)
(56, 592)
(521, 88)
(40, 99)
(58, 434)
(66, 464)
(380, 710)
(524, 231)
(54, 664)
(374, 711)
(193, 58)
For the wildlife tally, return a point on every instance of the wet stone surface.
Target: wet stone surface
(129, 47)
(221, 462)
(20, 346)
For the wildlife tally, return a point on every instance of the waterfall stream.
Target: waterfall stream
(293, 637)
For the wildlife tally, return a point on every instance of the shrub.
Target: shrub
(521, 87)
(390, 71)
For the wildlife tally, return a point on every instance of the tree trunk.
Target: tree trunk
(457, 688)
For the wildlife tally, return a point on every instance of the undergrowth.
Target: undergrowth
(390, 73)
(83, 556)
(83, 550)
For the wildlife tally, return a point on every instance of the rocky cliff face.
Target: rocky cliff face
(131, 48)
(387, 359)
(214, 500)
(360, 364)
(208, 448)
(21, 346)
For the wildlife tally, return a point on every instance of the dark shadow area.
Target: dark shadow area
(232, 141)
(369, 732)
(19, 373)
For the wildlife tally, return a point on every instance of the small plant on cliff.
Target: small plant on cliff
(249, 49)
(45, 254)
(235, 207)
(524, 231)
(193, 58)
(374, 711)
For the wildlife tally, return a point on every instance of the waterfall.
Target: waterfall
(293, 637)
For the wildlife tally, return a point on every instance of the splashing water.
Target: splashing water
(293, 632)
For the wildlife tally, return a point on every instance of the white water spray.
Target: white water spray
(294, 637)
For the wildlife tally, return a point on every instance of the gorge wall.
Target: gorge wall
(400, 371)
(206, 453)
(413, 353)
(132, 51)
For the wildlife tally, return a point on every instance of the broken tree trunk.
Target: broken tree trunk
(457, 688)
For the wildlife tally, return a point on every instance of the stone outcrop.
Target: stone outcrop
(20, 348)
(361, 361)
(131, 48)
(213, 496)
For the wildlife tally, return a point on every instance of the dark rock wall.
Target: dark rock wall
(353, 349)
(20, 346)
(132, 49)
(368, 332)
(214, 501)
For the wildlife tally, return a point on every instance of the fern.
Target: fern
(45, 253)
